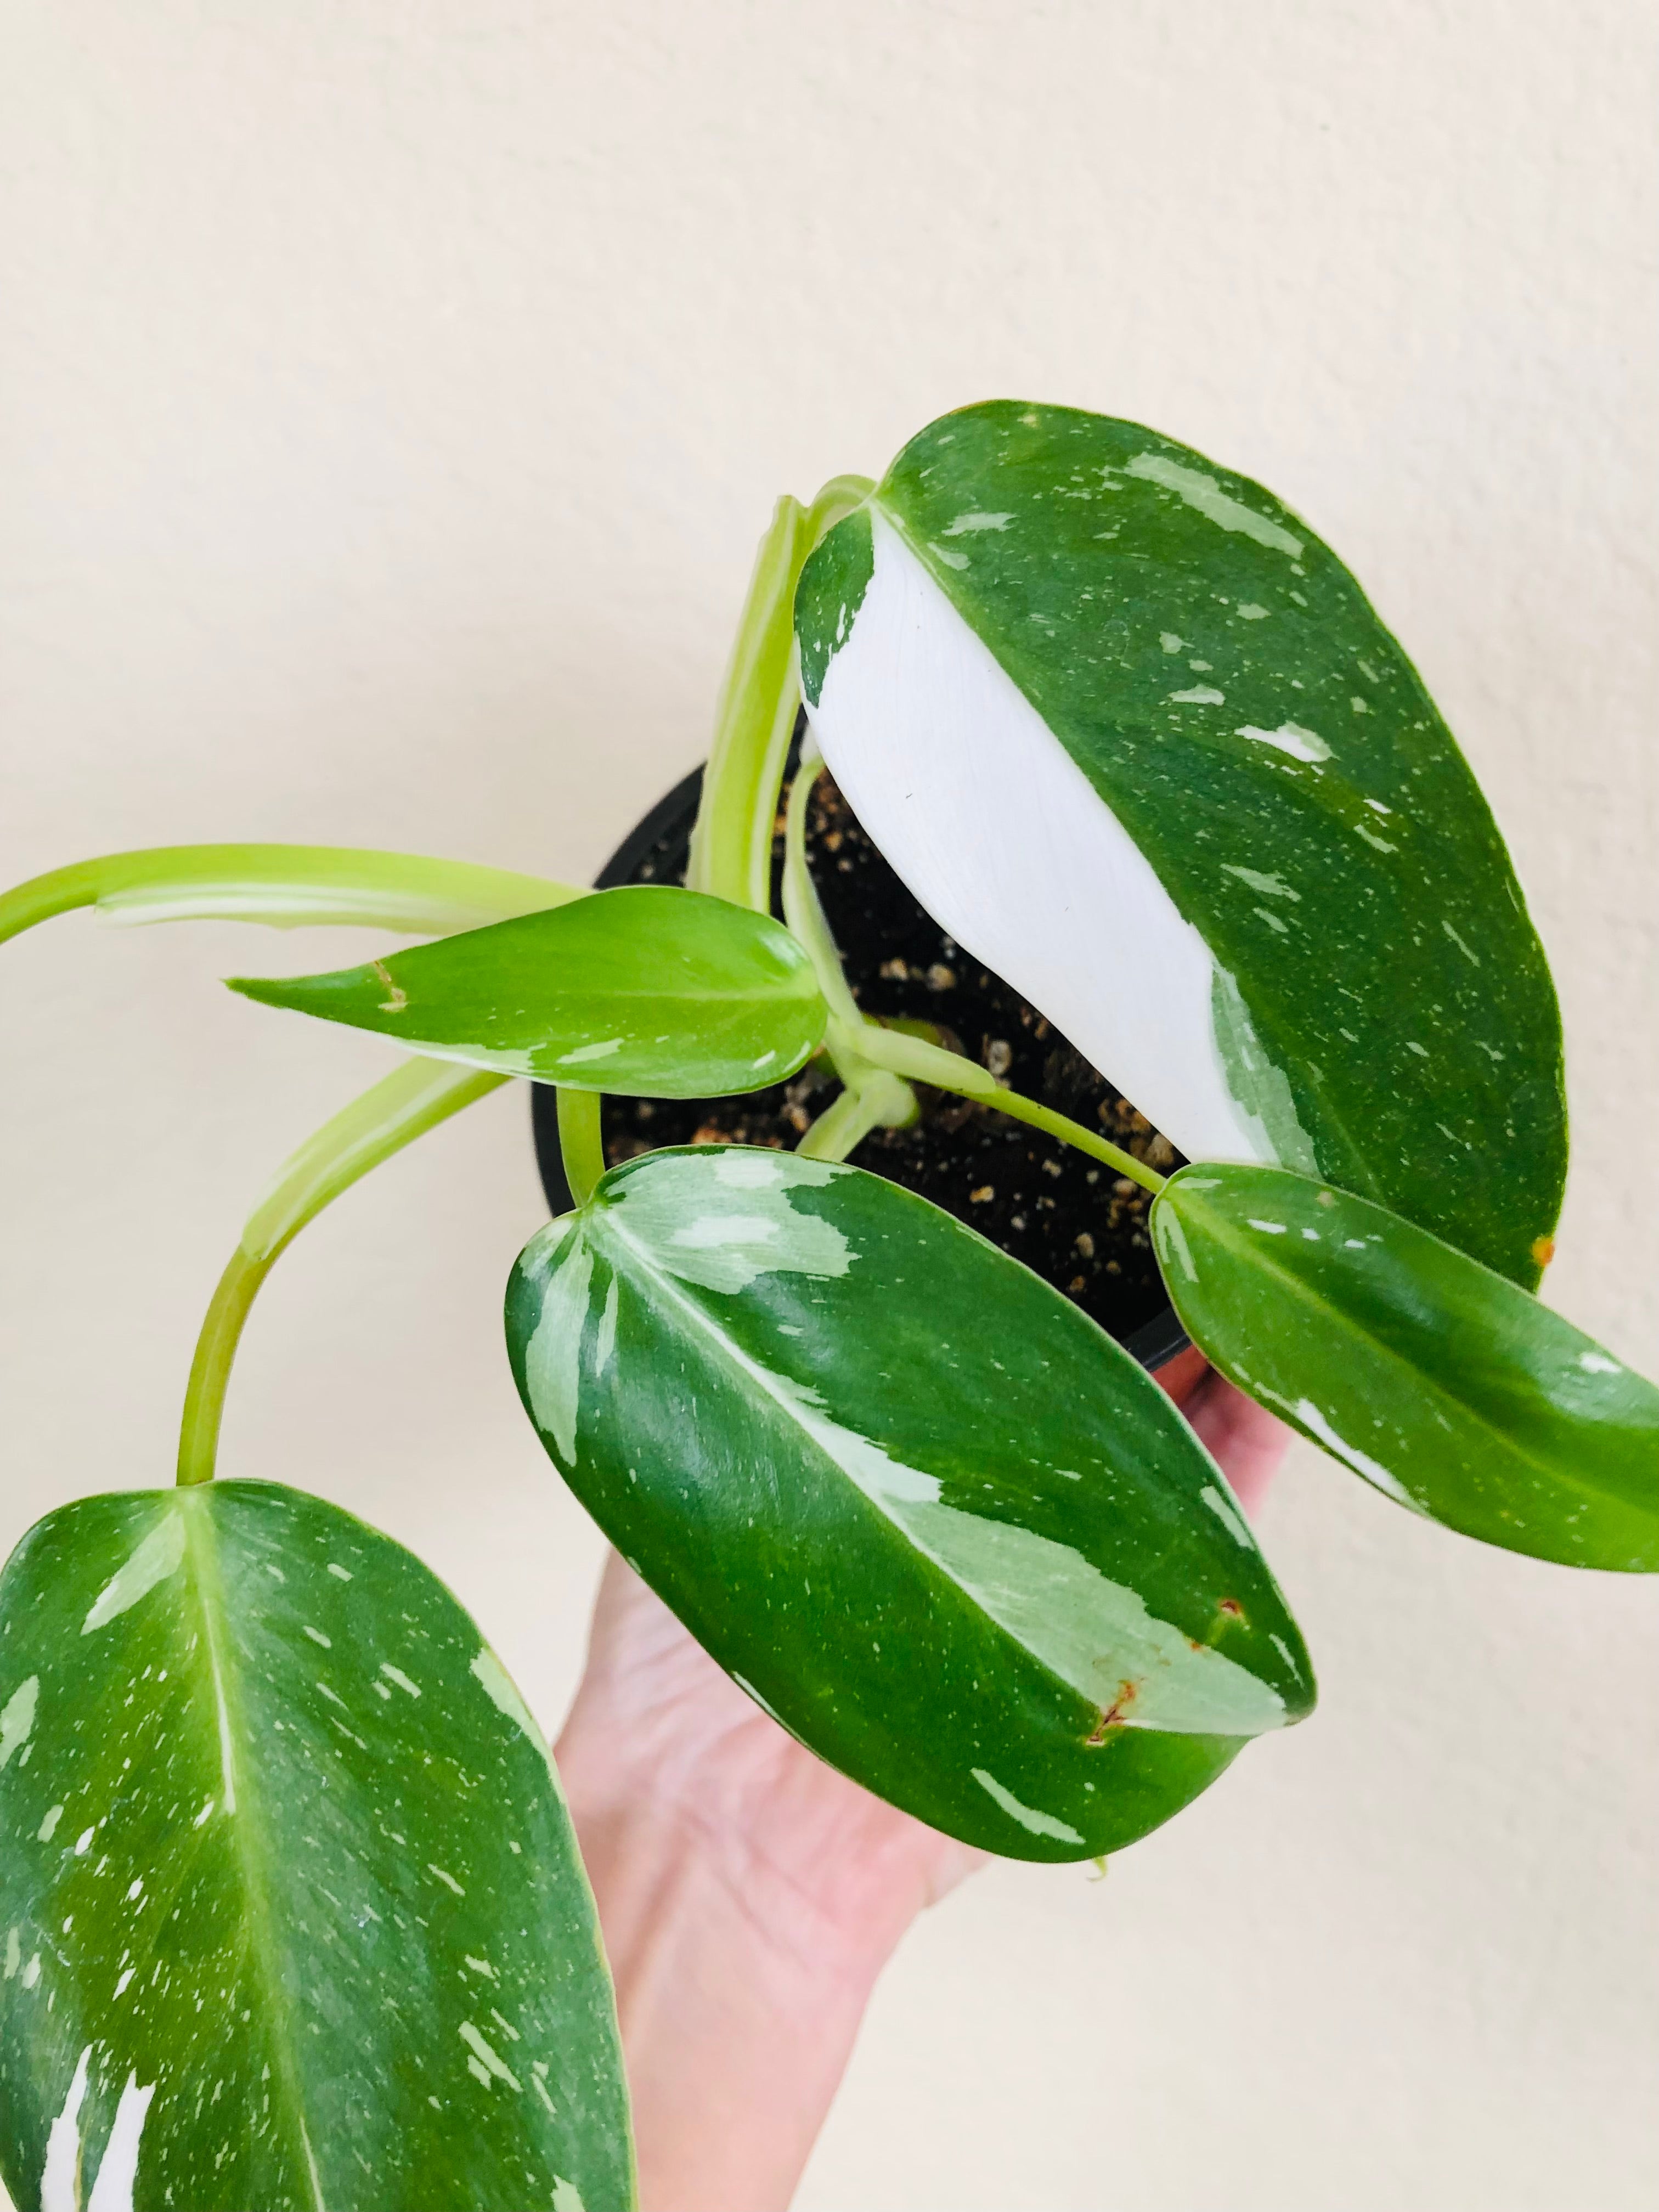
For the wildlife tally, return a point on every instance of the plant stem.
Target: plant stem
(581, 1146)
(802, 909)
(284, 886)
(874, 1096)
(760, 696)
(877, 1100)
(210, 1371)
(412, 1099)
(948, 1071)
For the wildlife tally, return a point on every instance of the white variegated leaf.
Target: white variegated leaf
(1134, 735)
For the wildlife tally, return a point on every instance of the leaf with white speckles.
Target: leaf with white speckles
(1446, 1387)
(930, 1518)
(1090, 738)
(269, 1826)
(647, 990)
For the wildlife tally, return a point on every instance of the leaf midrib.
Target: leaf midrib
(1339, 1120)
(742, 1361)
(654, 995)
(200, 1535)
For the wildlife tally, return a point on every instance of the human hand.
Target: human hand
(1244, 1439)
(749, 1894)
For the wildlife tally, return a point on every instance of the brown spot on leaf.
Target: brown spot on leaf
(1111, 1716)
(396, 997)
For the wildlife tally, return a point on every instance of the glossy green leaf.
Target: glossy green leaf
(284, 886)
(1438, 1381)
(919, 1506)
(649, 991)
(1136, 737)
(293, 1915)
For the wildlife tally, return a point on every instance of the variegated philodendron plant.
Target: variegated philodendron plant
(291, 1910)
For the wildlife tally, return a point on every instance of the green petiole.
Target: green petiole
(802, 907)
(873, 1099)
(921, 1062)
(412, 1100)
(582, 1144)
(877, 1100)
(859, 1047)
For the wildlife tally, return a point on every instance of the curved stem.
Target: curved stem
(875, 1097)
(412, 1099)
(877, 1100)
(209, 1369)
(948, 1071)
(1021, 1108)
(581, 1144)
(802, 907)
(857, 1046)
(284, 886)
(760, 697)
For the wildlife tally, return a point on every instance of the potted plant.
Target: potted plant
(292, 1909)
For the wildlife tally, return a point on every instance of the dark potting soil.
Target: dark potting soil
(1066, 1216)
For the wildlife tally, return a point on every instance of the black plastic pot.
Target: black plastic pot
(1038, 1189)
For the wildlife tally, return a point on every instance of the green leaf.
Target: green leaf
(919, 1506)
(284, 886)
(1442, 1384)
(649, 991)
(292, 1911)
(1137, 738)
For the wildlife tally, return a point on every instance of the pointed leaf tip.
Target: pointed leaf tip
(647, 991)
(1445, 1385)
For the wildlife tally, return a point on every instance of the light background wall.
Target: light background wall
(390, 394)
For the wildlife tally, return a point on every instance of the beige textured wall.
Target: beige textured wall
(391, 395)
